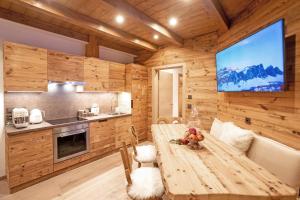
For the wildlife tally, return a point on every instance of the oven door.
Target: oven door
(70, 144)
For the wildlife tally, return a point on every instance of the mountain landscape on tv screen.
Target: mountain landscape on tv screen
(251, 78)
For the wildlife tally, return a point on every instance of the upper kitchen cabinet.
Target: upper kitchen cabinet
(25, 68)
(63, 67)
(96, 75)
(116, 76)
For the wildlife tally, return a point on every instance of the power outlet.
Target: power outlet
(189, 106)
(248, 120)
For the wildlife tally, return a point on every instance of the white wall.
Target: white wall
(115, 55)
(19, 33)
(175, 92)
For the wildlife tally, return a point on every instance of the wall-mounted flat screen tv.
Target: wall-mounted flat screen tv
(255, 63)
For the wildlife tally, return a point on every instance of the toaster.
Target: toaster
(20, 117)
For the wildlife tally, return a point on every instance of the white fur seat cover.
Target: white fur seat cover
(146, 183)
(145, 153)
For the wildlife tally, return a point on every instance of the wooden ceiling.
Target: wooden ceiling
(143, 19)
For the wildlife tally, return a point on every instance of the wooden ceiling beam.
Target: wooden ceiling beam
(125, 7)
(54, 9)
(216, 8)
(37, 23)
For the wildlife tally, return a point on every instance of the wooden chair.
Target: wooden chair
(143, 183)
(142, 153)
(162, 120)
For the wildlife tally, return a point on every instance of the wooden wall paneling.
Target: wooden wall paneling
(102, 137)
(64, 67)
(29, 156)
(25, 68)
(122, 125)
(136, 83)
(274, 115)
(116, 76)
(96, 75)
(199, 57)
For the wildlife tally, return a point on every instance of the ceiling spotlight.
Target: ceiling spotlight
(155, 36)
(173, 21)
(120, 19)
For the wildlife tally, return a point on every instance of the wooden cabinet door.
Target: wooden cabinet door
(122, 124)
(139, 107)
(25, 68)
(136, 83)
(102, 137)
(96, 74)
(29, 156)
(116, 76)
(63, 67)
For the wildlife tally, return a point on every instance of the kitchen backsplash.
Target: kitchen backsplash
(61, 101)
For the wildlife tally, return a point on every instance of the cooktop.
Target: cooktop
(65, 120)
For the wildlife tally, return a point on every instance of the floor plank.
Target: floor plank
(103, 179)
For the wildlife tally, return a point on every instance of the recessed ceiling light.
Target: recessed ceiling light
(120, 19)
(156, 37)
(173, 21)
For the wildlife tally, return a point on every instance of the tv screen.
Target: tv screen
(255, 63)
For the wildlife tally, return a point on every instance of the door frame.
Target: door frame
(154, 75)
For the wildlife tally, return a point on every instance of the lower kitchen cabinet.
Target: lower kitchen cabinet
(102, 135)
(122, 124)
(29, 156)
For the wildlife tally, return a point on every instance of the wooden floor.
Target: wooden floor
(103, 179)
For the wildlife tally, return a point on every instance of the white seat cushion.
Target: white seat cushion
(146, 183)
(145, 153)
(216, 128)
(278, 158)
(237, 137)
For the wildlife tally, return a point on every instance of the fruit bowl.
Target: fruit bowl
(191, 138)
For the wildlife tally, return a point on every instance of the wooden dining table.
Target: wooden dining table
(217, 171)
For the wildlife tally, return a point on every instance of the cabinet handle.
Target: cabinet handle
(102, 120)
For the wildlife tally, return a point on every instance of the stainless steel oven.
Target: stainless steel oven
(70, 141)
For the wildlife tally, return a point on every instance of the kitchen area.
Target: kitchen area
(62, 110)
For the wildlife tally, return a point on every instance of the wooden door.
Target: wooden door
(116, 76)
(29, 156)
(63, 67)
(102, 137)
(25, 68)
(96, 75)
(165, 94)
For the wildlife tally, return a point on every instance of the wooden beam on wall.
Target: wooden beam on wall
(37, 23)
(63, 13)
(92, 48)
(125, 7)
(216, 8)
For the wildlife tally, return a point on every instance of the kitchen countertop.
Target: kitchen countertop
(11, 130)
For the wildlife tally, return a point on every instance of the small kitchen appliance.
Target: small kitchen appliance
(36, 116)
(20, 117)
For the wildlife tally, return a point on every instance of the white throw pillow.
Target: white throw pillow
(216, 128)
(237, 137)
